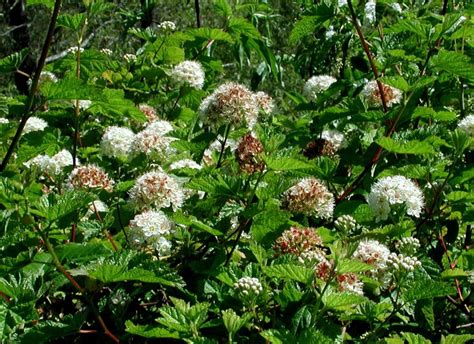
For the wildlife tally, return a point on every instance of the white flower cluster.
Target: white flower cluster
(84, 104)
(34, 124)
(230, 103)
(310, 197)
(408, 245)
(395, 190)
(4, 120)
(335, 137)
(185, 163)
(249, 286)
(316, 85)
(116, 142)
(45, 76)
(106, 51)
(402, 262)
(345, 223)
(74, 49)
(157, 189)
(89, 177)
(371, 93)
(148, 111)
(265, 102)
(190, 73)
(370, 13)
(467, 125)
(350, 283)
(167, 26)
(373, 253)
(130, 58)
(51, 165)
(150, 228)
(152, 141)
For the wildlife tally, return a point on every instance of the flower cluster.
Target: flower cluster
(316, 85)
(4, 120)
(408, 245)
(297, 241)
(350, 283)
(230, 103)
(467, 125)
(106, 51)
(34, 124)
(394, 190)
(51, 165)
(167, 26)
(265, 102)
(185, 163)
(370, 13)
(152, 141)
(150, 228)
(345, 223)
(157, 189)
(310, 197)
(116, 142)
(402, 262)
(189, 73)
(373, 253)
(248, 154)
(371, 93)
(89, 177)
(130, 58)
(148, 111)
(216, 146)
(248, 286)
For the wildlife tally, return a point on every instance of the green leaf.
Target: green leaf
(397, 82)
(351, 265)
(427, 289)
(309, 24)
(211, 34)
(12, 62)
(411, 25)
(460, 197)
(274, 336)
(232, 322)
(408, 147)
(454, 273)
(342, 301)
(242, 27)
(457, 339)
(290, 271)
(268, 224)
(82, 252)
(424, 313)
(223, 7)
(149, 331)
(195, 223)
(429, 113)
(414, 338)
(454, 63)
(47, 3)
(72, 21)
(286, 164)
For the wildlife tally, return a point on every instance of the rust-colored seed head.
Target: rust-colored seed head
(298, 240)
(248, 154)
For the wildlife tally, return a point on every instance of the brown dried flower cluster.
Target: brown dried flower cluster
(319, 147)
(298, 240)
(248, 154)
(90, 177)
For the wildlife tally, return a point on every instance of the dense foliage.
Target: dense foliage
(237, 171)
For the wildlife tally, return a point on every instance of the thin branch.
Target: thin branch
(6, 33)
(198, 13)
(34, 85)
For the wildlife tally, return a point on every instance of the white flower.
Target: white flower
(106, 51)
(152, 144)
(185, 163)
(150, 228)
(160, 127)
(310, 197)
(371, 93)
(157, 189)
(345, 223)
(84, 104)
(350, 283)
(116, 142)
(396, 7)
(148, 111)
(63, 159)
(342, 3)
(394, 190)
(408, 245)
(41, 162)
(265, 102)
(467, 125)
(373, 253)
(330, 32)
(230, 103)
(335, 137)
(45, 77)
(130, 58)
(4, 120)
(51, 165)
(34, 124)
(94, 207)
(317, 84)
(248, 286)
(370, 13)
(189, 72)
(167, 26)
(89, 177)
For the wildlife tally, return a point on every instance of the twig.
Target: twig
(34, 85)
(226, 135)
(198, 15)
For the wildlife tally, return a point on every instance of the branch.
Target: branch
(34, 86)
(198, 15)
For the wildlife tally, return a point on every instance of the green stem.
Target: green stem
(226, 135)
